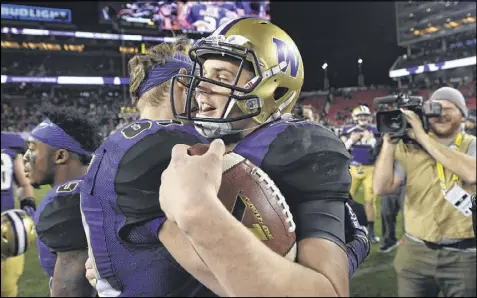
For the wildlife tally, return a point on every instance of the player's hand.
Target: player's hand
(189, 182)
(90, 273)
(417, 132)
(368, 135)
(28, 205)
(355, 137)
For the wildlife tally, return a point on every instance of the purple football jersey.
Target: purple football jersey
(58, 223)
(362, 153)
(8, 177)
(12, 144)
(308, 163)
(122, 216)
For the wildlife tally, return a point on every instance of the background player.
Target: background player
(59, 151)
(12, 171)
(359, 139)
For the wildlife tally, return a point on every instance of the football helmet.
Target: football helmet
(18, 233)
(362, 111)
(257, 45)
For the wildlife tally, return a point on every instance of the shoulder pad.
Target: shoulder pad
(134, 129)
(59, 224)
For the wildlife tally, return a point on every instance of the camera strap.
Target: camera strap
(440, 168)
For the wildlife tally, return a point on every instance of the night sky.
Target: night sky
(335, 32)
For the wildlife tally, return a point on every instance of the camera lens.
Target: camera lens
(394, 123)
(390, 122)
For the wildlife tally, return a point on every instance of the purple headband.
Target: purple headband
(51, 134)
(161, 73)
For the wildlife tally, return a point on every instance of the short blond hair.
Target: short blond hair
(140, 64)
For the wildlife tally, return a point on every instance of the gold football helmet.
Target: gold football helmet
(362, 115)
(257, 45)
(18, 233)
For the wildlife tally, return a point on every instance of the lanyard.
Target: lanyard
(440, 168)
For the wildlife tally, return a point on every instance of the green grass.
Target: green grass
(367, 282)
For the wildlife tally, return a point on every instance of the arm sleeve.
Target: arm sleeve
(59, 225)
(315, 181)
(321, 210)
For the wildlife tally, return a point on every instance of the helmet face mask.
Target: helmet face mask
(236, 93)
(251, 46)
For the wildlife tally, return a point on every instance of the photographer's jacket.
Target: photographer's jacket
(428, 216)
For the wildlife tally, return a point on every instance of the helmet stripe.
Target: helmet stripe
(228, 25)
(19, 231)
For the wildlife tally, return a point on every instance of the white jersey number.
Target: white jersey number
(7, 171)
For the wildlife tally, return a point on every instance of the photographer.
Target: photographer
(438, 252)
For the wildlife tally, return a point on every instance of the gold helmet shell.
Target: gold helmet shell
(269, 52)
(18, 232)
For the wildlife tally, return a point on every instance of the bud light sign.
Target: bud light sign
(35, 13)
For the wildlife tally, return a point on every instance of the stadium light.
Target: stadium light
(360, 61)
(325, 66)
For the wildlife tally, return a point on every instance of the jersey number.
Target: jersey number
(7, 171)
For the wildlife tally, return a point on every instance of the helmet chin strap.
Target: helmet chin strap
(213, 130)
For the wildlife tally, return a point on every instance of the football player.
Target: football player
(59, 151)
(13, 147)
(360, 140)
(250, 75)
(134, 159)
(121, 213)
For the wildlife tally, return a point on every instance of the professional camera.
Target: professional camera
(394, 122)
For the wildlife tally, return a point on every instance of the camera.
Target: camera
(394, 122)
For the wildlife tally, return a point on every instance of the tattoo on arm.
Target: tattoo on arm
(69, 279)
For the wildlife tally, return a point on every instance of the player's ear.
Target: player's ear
(61, 156)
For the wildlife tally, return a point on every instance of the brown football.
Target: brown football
(254, 199)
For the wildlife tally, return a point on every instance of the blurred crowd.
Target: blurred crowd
(107, 107)
(110, 107)
(60, 65)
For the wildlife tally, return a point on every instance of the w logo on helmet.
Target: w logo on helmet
(287, 55)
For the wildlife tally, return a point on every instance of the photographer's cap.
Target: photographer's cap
(452, 95)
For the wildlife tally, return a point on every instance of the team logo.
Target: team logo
(68, 187)
(286, 54)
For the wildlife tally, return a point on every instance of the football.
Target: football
(254, 199)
